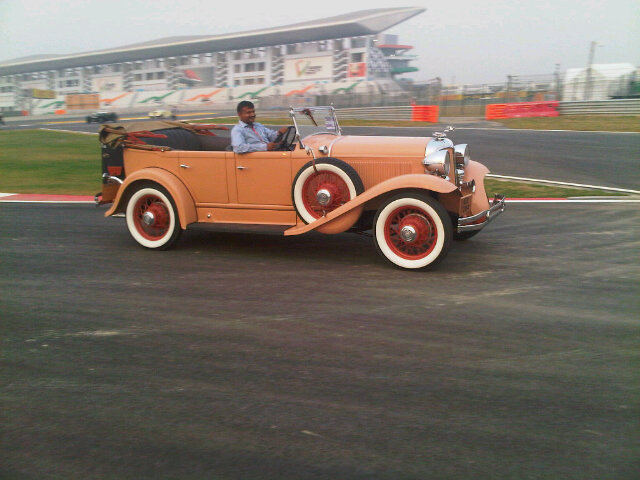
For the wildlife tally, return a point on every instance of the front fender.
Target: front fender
(345, 216)
(180, 194)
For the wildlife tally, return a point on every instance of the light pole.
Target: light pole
(589, 79)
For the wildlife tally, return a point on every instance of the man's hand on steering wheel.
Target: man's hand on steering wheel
(273, 146)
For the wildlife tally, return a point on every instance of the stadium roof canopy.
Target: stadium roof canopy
(364, 22)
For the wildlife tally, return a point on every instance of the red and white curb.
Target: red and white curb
(42, 198)
(572, 200)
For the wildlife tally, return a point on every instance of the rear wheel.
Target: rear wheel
(152, 218)
(412, 231)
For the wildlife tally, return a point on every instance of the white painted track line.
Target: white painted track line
(67, 131)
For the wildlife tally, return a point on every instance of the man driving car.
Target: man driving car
(249, 136)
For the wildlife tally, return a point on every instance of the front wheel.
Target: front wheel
(412, 231)
(320, 190)
(152, 218)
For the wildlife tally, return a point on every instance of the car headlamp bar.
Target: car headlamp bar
(462, 154)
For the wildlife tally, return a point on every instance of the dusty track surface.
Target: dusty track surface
(252, 355)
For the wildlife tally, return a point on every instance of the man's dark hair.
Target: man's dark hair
(245, 103)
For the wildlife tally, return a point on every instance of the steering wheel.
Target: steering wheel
(286, 140)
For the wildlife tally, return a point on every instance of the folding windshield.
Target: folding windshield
(315, 120)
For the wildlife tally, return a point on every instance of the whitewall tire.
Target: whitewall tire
(152, 218)
(412, 231)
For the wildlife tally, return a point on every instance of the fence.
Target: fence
(605, 107)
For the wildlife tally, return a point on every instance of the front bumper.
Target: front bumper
(480, 220)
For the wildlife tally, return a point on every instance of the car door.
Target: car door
(205, 175)
(263, 178)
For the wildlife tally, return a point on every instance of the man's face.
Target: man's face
(247, 115)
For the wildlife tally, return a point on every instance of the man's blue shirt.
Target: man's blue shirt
(254, 138)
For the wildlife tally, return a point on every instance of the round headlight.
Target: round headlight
(438, 162)
(462, 154)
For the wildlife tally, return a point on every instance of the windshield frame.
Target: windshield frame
(293, 112)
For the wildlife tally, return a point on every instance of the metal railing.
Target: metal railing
(629, 106)
(376, 113)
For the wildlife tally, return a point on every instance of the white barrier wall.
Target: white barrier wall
(217, 96)
(48, 106)
(114, 100)
(155, 98)
(205, 96)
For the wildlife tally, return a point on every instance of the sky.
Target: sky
(460, 41)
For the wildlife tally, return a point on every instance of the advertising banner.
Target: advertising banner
(357, 69)
(38, 93)
(197, 76)
(112, 83)
(312, 68)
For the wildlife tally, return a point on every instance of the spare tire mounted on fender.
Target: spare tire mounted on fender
(318, 191)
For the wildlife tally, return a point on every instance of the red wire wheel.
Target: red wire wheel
(327, 181)
(410, 232)
(151, 217)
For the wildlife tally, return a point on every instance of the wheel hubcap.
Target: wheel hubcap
(408, 233)
(323, 197)
(148, 218)
(151, 217)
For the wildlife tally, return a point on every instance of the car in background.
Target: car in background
(101, 117)
(161, 114)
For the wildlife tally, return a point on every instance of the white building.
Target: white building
(339, 49)
(601, 82)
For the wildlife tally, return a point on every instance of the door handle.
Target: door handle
(240, 167)
(182, 165)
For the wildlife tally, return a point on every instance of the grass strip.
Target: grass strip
(38, 161)
(515, 189)
(605, 123)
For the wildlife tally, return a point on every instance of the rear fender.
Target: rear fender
(345, 216)
(180, 194)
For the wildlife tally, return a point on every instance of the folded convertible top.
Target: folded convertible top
(132, 133)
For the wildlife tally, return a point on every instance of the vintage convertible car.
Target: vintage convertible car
(414, 194)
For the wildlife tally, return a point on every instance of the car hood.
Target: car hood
(352, 145)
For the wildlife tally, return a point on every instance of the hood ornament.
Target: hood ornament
(443, 134)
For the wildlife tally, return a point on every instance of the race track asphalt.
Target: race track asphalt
(244, 355)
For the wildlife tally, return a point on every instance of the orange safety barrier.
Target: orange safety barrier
(523, 109)
(425, 113)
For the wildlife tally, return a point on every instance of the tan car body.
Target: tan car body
(255, 188)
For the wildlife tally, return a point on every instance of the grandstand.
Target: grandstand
(345, 53)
